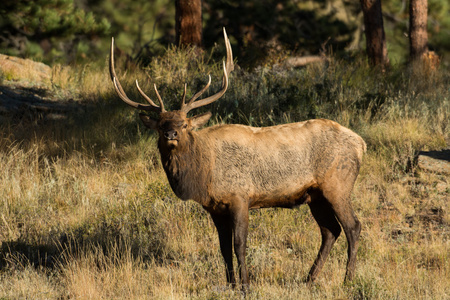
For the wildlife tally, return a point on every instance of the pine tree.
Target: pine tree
(375, 37)
(418, 36)
(189, 22)
(57, 26)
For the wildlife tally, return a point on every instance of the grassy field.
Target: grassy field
(86, 211)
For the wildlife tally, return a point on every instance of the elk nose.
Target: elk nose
(171, 134)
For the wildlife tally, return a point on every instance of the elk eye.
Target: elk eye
(184, 126)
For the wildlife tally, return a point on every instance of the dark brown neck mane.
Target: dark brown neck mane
(185, 168)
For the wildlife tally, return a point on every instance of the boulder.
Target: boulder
(15, 68)
(435, 161)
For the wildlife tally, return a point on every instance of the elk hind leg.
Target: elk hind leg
(329, 229)
(352, 228)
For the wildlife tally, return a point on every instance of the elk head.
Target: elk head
(174, 126)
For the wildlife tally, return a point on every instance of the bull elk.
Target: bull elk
(230, 169)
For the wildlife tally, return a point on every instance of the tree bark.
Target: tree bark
(374, 31)
(188, 15)
(418, 37)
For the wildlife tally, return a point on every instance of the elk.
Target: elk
(230, 169)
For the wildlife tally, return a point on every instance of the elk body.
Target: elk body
(230, 169)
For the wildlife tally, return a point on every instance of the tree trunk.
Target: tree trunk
(374, 30)
(188, 21)
(418, 37)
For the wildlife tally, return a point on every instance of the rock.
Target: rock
(15, 68)
(26, 92)
(435, 161)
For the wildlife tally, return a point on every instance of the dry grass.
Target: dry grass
(86, 211)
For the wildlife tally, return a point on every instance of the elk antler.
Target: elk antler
(227, 68)
(124, 97)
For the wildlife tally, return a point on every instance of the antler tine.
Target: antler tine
(121, 92)
(214, 97)
(144, 95)
(150, 100)
(230, 64)
(198, 94)
(227, 68)
(112, 71)
(159, 98)
(184, 105)
(184, 96)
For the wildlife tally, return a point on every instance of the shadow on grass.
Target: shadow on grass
(144, 241)
(31, 115)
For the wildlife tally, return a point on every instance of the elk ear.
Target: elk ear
(200, 120)
(149, 122)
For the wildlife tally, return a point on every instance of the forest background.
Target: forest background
(76, 31)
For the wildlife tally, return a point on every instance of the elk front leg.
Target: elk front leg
(225, 230)
(239, 214)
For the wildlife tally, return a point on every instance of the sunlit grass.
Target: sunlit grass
(87, 213)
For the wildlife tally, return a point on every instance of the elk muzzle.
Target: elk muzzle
(171, 135)
(170, 138)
